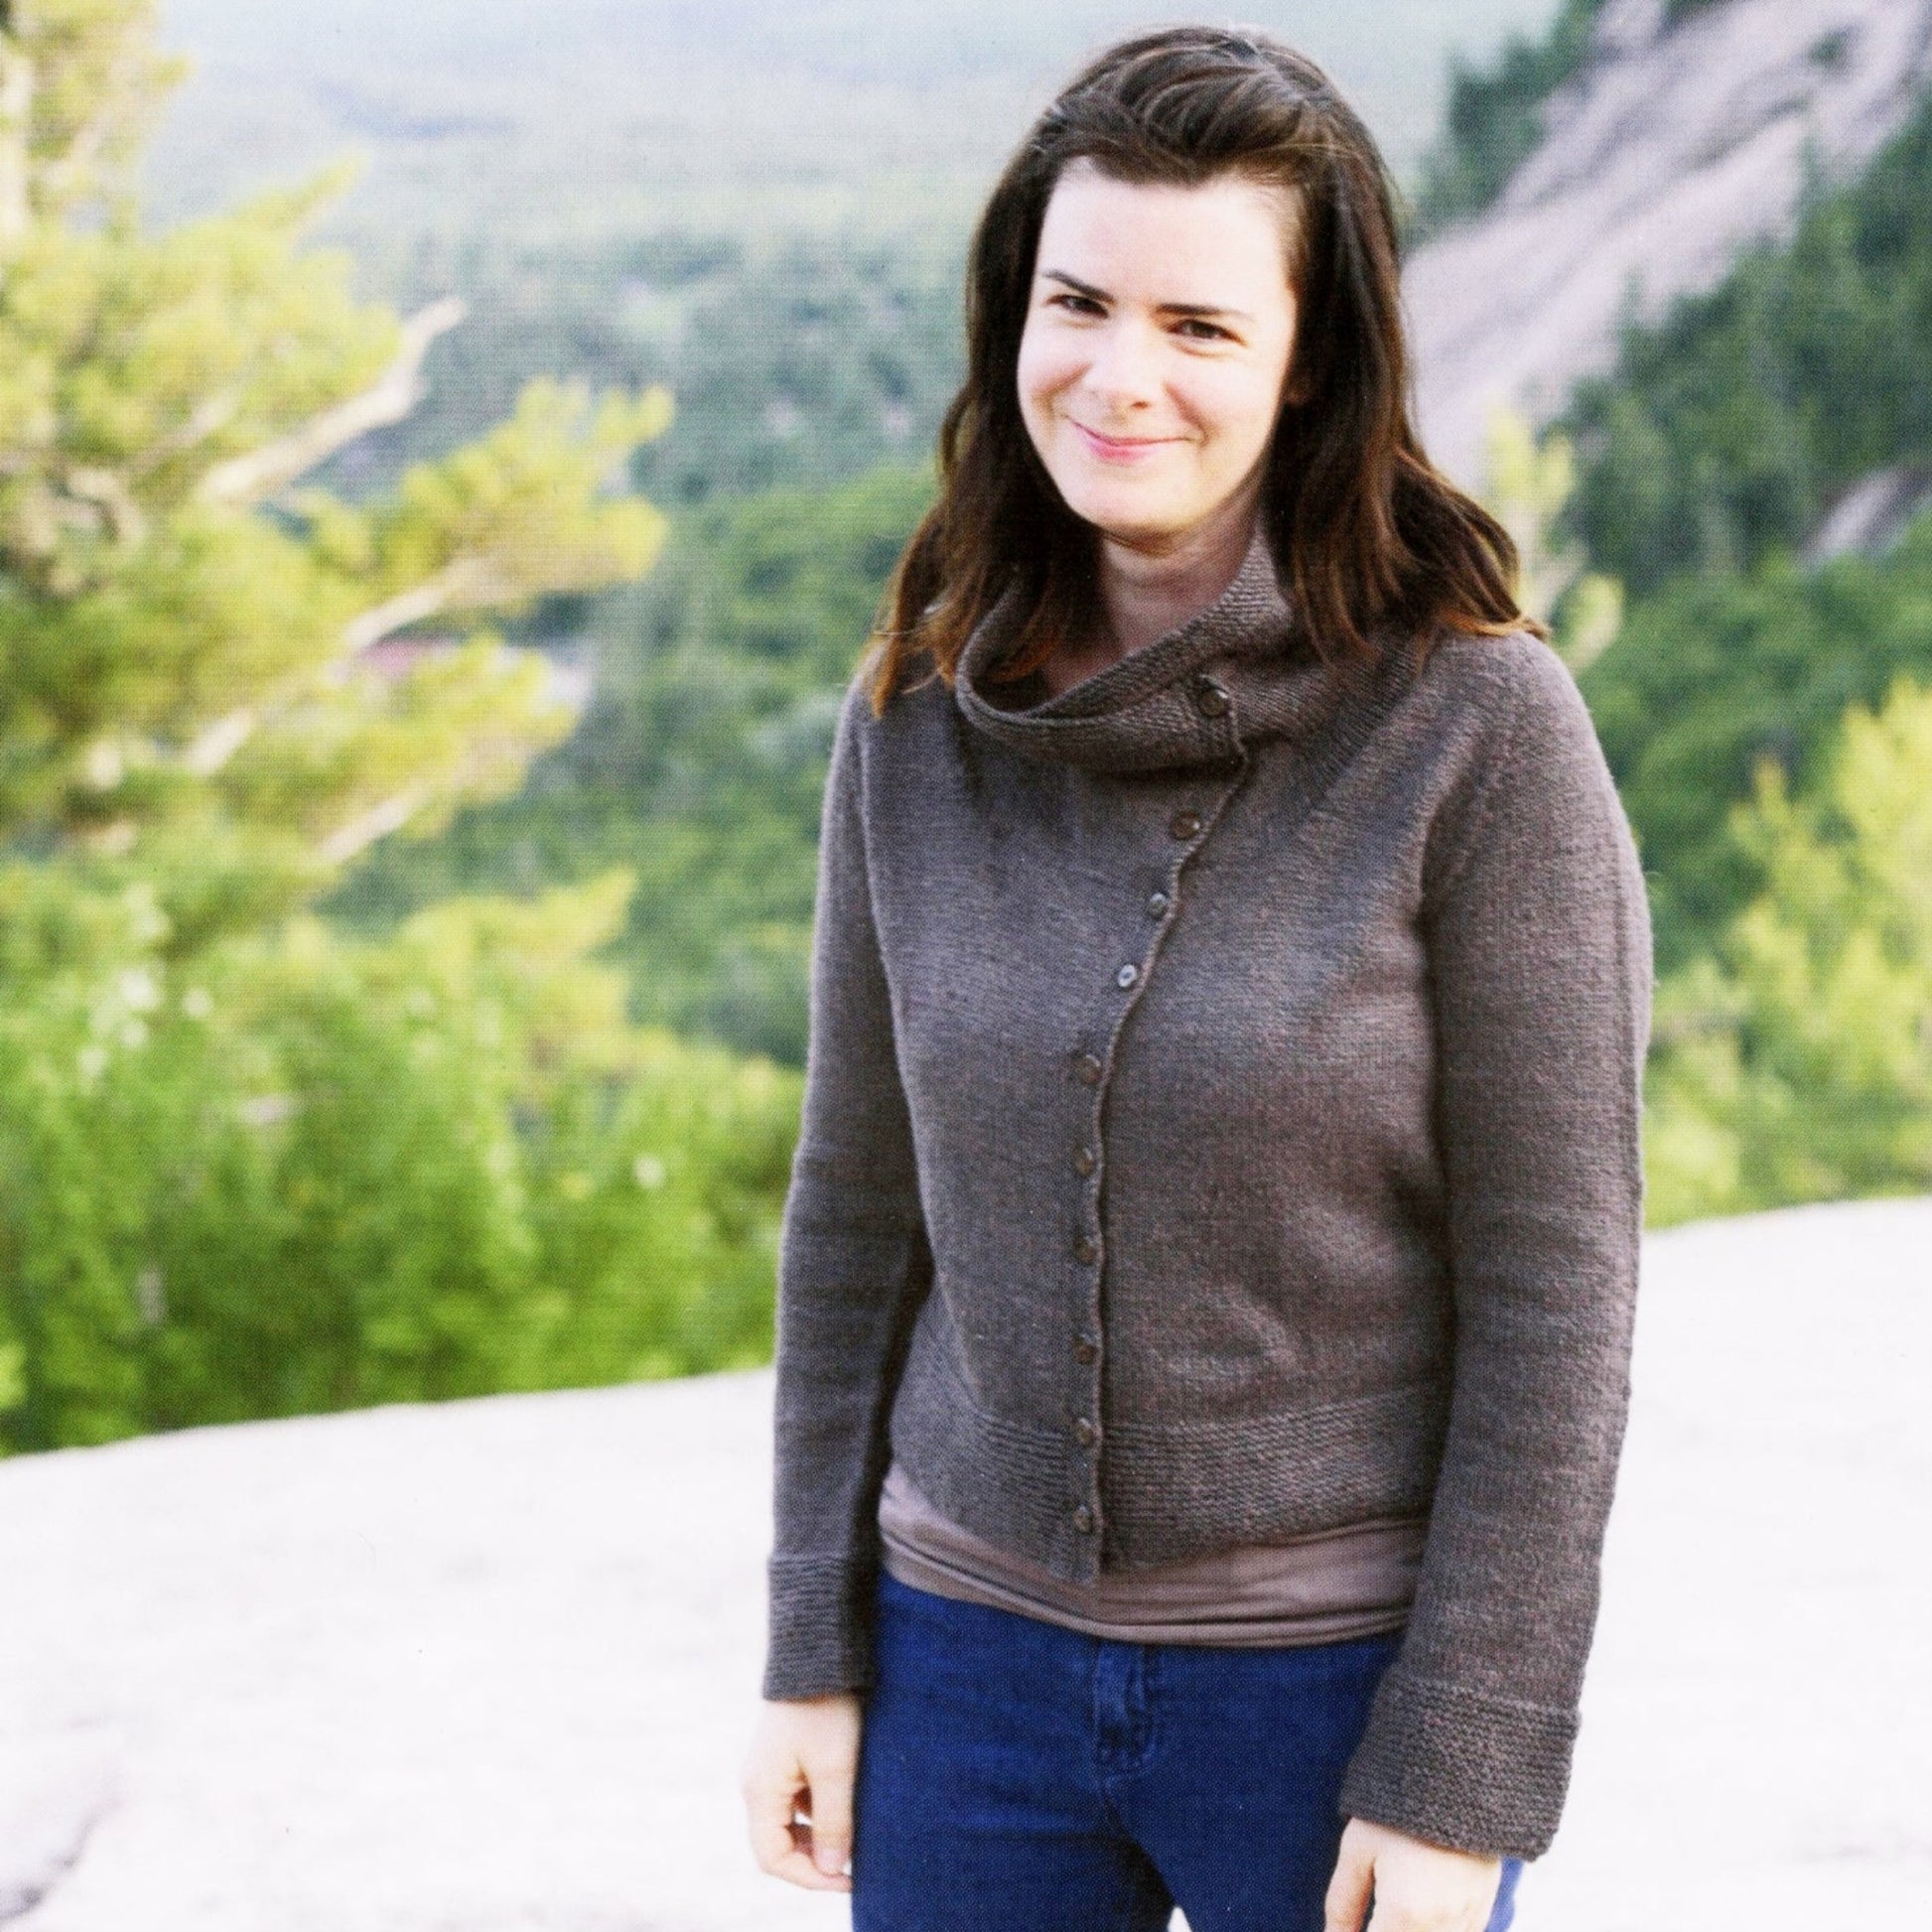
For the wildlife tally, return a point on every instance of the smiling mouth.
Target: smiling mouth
(1122, 449)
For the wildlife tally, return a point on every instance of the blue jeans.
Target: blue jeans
(1018, 1776)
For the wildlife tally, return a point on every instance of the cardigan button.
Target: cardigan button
(1183, 824)
(1158, 904)
(1210, 700)
(1087, 1070)
(1085, 1433)
(1087, 1349)
(1127, 975)
(1083, 1520)
(1086, 1248)
(1084, 1161)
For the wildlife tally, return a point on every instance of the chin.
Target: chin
(1127, 517)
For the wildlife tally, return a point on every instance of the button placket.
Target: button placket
(1088, 1070)
(1186, 826)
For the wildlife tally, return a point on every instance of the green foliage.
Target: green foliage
(1712, 676)
(1792, 1014)
(1676, 12)
(1795, 1062)
(181, 675)
(1527, 484)
(83, 82)
(184, 688)
(1494, 117)
(299, 1174)
(1726, 431)
(803, 362)
(1783, 829)
(248, 1167)
(700, 764)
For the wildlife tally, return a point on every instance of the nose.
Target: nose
(1124, 374)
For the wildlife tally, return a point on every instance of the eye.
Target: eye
(1204, 331)
(1080, 305)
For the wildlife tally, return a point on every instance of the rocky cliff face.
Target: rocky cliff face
(1684, 139)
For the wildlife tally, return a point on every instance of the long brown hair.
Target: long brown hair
(1366, 531)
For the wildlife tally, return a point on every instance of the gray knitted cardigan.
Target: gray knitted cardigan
(1220, 1124)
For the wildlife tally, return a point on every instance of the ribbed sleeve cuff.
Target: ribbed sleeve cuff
(1479, 1774)
(820, 1632)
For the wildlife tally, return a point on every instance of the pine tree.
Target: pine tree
(1794, 1063)
(250, 1166)
(186, 686)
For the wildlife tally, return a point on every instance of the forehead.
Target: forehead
(1223, 241)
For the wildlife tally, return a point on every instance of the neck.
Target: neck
(1150, 589)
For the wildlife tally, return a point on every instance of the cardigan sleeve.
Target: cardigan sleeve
(853, 1266)
(1540, 955)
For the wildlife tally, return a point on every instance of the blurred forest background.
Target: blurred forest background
(427, 586)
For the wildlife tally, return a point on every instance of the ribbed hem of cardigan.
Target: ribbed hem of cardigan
(820, 1637)
(1475, 1774)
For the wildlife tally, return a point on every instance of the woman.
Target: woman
(1207, 1275)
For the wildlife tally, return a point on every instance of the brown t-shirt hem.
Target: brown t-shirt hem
(1329, 1587)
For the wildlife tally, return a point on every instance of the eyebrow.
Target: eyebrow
(1205, 310)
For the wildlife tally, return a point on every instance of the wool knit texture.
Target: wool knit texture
(1343, 985)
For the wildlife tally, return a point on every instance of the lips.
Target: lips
(1122, 449)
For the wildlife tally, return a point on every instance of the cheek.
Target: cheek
(1241, 406)
(1046, 365)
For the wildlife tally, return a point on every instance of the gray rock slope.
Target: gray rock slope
(490, 1667)
(1673, 149)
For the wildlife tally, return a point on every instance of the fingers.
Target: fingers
(1347, 1901)
(772, 1795)
(782, 1842)
(797, 1787)
(1407, 1885)
(833, 1774)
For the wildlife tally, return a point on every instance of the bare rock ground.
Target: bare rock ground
(1673, 149)
(490, 1667)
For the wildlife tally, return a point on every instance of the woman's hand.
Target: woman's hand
(1419, 1887)
(804, 1760)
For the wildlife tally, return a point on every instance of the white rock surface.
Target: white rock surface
(1871, 515)
(1669, 153)
(490, 1667)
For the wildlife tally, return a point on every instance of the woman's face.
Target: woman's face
(1157, 341)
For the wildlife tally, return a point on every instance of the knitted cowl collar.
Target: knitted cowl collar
(1241, 672)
